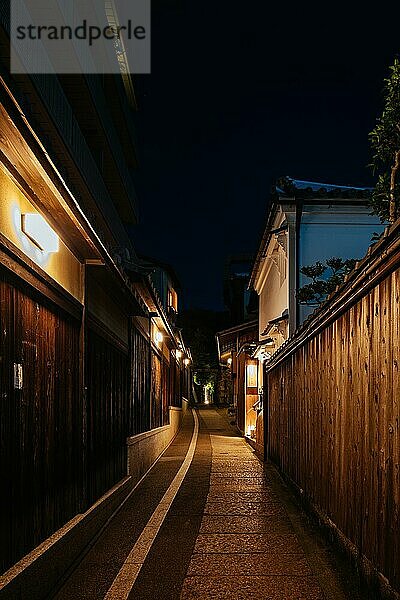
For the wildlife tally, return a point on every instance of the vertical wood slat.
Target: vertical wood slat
(109, 418)
(156, 392)
(140, 381)
(334, 423)
(40, 436)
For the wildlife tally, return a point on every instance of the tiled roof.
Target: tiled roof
(287, 186)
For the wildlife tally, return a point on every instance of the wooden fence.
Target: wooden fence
(334, 409)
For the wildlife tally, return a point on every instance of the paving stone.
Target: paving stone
(251, 588)
(242, 496)
(245, 524)
(245, 477)
(248, 542)
(240, 507)
(241, 464)
(248, 565)
(231, 486)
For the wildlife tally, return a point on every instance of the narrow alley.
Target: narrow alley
(199, 301)
(212, 522)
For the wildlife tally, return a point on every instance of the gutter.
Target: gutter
(263, 243)
(299, 214)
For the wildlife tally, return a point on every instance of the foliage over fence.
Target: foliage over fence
(315, 292)
(385, 142)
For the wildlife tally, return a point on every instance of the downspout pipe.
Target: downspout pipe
(299, 215)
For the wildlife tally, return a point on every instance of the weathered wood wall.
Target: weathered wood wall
(60, 448)
(140, 381)
(334, 418)
(109, 414)
(175, 384)
(156, 392)
(41, 439)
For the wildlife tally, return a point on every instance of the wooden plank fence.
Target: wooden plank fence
(334, 409)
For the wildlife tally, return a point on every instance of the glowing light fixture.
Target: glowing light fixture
(229, 361)
(251, 375)
(187, 362)
(251, 430)
(159, 337)
(39, 232)
(179, 353)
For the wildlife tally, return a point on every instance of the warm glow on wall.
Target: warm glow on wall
(39, 232)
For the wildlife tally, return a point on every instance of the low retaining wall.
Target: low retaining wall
(145, 448)
(38, 573)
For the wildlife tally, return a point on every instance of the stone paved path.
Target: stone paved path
(232, 532)
(246, 547)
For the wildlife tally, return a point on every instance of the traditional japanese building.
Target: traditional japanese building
(235, 352)
(307, 222)
(94, 374)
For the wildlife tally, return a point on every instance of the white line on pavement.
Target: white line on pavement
(125, 580)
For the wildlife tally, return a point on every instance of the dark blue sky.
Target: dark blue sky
(242, 93)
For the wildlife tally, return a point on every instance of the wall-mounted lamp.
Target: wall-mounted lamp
(229, 361)
(158, 337)
(36, 228)
(187, 362)
(179, 353)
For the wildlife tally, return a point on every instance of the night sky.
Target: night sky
(242, 93)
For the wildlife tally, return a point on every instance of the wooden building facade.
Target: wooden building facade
(235, 352)
(89, 352)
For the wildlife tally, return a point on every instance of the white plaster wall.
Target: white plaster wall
(345, 233)
(273, 293)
